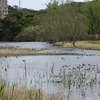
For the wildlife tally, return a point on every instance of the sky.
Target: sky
(30, 4)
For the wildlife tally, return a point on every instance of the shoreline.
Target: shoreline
(23, 52)
(88, 45)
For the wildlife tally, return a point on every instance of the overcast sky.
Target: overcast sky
(31, 4)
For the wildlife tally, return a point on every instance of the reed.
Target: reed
(78, 81)
(19, 93)
(73, 83)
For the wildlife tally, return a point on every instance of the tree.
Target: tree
(92, 13)
(14, 22)
(49, 22)
(76, 27)
(61, 24)
(29, 34)
(12, 9)
(1, 30)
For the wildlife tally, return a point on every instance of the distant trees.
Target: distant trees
(1, 30)
(92, 13)
(12, 9)
(63, 23)
(18, 22)
(50, 23)
(60, 21)
(14, 22)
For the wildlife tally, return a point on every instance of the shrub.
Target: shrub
(29, 34)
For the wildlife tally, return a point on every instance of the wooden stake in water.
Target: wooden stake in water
(24, 66)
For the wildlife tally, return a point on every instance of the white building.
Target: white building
(3, 8)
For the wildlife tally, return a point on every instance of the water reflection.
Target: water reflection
(35, 45)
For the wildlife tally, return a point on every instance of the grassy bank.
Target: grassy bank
(92, 45)
(21, 52)
(11, 51)
(22, 93)
(19, 93)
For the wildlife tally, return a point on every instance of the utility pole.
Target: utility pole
(19, 4)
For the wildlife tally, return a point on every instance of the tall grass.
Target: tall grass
(19, 93)
(72, 83)
(80, 82)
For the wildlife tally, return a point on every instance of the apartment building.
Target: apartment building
(3, 8)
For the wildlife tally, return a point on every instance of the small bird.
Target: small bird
(23, 60)
(5, 56)
(5, 69)
(62, 58)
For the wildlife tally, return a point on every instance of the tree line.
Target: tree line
(60, 21)
(69, 22)
(18, 21)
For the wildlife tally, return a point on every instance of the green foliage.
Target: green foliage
(14, 22)
(29, 34)
(92, 13)
(60, 21)
(12, 8)
(64, 22)
(38, 95)
(2, 86)
(1, 30)
(30, 18)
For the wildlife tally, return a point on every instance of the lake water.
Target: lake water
(73, 72)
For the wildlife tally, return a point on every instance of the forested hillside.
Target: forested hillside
(66, 22)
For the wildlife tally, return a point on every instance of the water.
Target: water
(31, 45)
(52, 73)
(44, 46)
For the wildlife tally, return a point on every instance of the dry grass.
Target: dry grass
(19, 93)
(16, 52)
(93, 45)
(22, 52)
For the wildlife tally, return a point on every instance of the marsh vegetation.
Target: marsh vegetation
(69, 75)
(41, 71)
(67, 83)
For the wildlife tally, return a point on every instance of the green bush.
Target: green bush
(29, 34)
